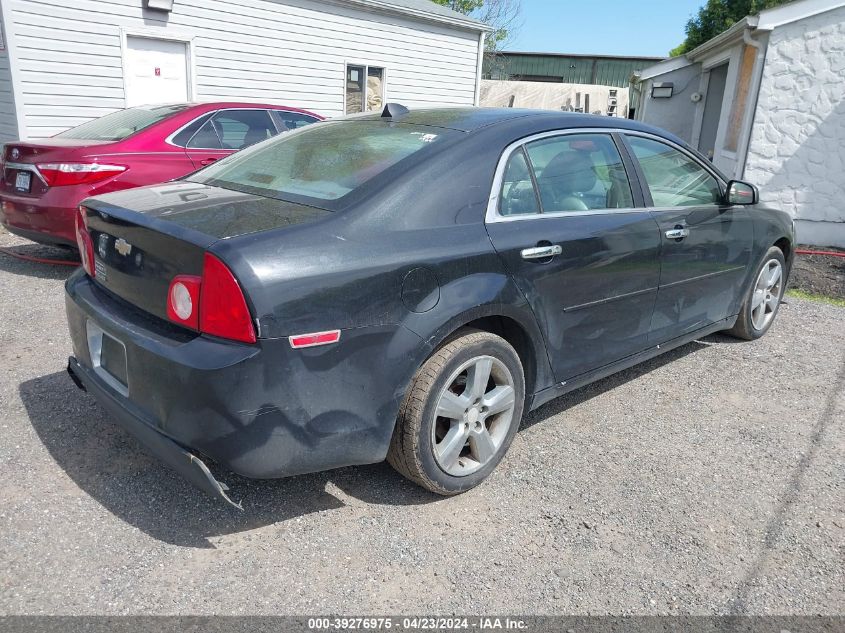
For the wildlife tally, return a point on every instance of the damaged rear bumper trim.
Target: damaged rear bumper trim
(162, 447)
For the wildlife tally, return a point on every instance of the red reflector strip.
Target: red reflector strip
(315, 338)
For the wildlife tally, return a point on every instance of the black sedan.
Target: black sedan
(406, 286)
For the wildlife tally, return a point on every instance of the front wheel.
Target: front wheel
(763, 299)
(460, 414)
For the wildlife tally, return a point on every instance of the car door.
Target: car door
(227, 131)
(575, 237)
(705, 243)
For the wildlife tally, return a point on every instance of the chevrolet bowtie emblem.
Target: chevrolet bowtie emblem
(122, 246)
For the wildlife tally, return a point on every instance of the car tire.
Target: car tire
(762, 298)
(451, 431)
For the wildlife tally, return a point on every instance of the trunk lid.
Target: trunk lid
(19, 172)
(145, 237)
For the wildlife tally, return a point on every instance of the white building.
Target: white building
(766, 100)
(64, 62)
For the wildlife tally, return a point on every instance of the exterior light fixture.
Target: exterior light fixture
(159, 5)
(662, 90)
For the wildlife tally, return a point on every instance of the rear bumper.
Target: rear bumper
(138, 424)
(261, 411)
(41, 219)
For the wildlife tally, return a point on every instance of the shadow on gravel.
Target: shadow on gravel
(42, 270)
(109, 465)
(112, 467)
(763, 563)
(599, 387)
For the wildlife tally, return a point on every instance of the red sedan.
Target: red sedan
(44, 182)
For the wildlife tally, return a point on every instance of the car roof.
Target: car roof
(220, 105)
(470, 119)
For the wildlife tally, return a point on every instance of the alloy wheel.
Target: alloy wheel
(473, 416)
(766, 296)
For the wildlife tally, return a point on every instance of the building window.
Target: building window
(364, 88)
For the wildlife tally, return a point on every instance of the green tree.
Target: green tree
(718, 16)
(503, 16)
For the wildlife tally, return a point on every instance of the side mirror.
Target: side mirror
(742, 193)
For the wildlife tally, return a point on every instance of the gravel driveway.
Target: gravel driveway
(708, 480)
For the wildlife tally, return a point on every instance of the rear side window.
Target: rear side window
(186, 134)
(240, 128)
(579, 172)
(518, 196)
(288, 121)
(322, 162)
(674, 179)
(205, 137)
(122, 124)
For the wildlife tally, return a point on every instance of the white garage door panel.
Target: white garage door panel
(156, 71)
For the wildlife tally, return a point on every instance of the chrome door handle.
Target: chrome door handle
(541, 252)
(677, 234)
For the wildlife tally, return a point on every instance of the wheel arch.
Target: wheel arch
(786, 247)
(518, 329)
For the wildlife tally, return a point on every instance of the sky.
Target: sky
(603, 27)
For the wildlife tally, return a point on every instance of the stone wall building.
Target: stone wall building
(766, 102)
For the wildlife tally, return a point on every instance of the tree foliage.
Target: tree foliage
(503, 16)
(718, 16)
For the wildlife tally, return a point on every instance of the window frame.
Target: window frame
(211, 114)
(700, 160)
(631, 172)
(535, 189)
(366, 67)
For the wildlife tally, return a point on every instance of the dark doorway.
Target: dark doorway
(712, 110)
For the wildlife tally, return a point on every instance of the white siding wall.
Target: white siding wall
(797, 150)
(8, 118)
(276, 51)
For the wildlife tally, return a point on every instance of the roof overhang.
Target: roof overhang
(666, 66)
(392, 8)
(724, 40)
(767, 20)
(792, 12)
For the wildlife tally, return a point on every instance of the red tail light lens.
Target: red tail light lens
(61, 174)
(212, 304)
(183, 300)
(223, 309)
(84, 242)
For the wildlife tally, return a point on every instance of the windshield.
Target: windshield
(121, 124)
(322, 162)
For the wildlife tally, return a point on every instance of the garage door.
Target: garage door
(156, 71)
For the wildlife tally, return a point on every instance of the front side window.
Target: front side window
(579, 172)
(364, 89)
(320, 163)
(673, 178)
(287, 121)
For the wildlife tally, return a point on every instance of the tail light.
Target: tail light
(61, 174)
(83, 241)
(183, 300)
(212, 304)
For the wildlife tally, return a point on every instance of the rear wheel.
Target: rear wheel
(460, 414)
(762, 300)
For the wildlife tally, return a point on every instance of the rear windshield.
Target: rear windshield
(320, 163)
(121, 124)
